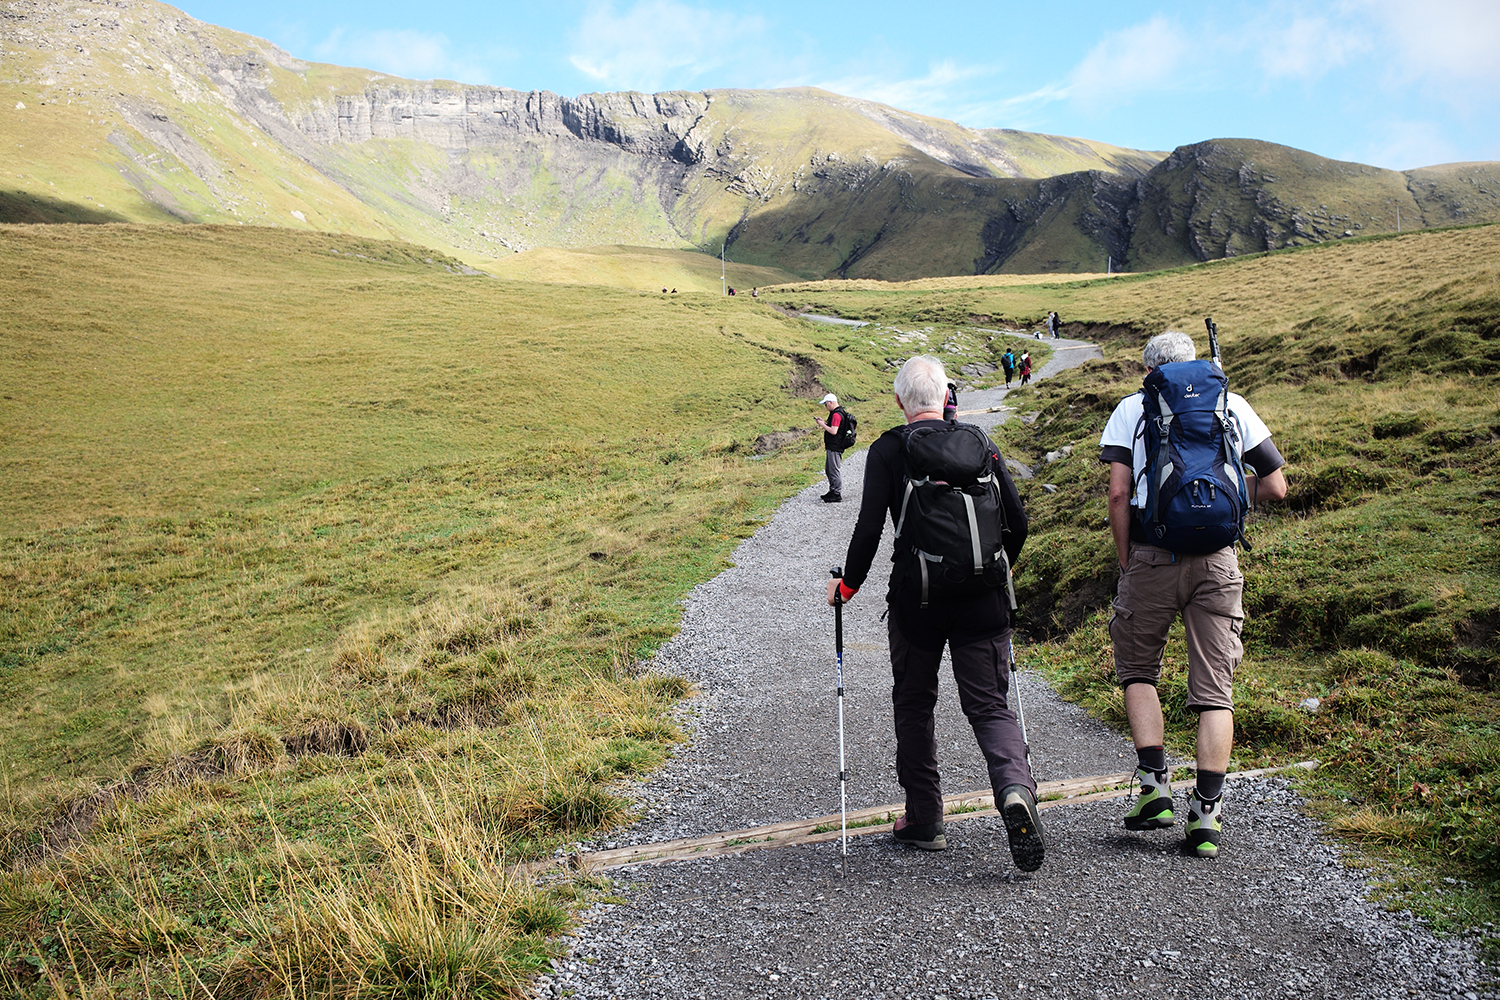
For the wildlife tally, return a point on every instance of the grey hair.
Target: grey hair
(1168, 348)
(922, 384)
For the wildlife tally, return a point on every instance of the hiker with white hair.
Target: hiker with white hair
(959, 525)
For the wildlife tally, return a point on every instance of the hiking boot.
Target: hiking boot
(1024, 826)
(1204, 824)
(832, 498)
(927, 836)
(1153, 807)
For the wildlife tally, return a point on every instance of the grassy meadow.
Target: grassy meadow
(333, 566)
(1375, 588)
(328, 572)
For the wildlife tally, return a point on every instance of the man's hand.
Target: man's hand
(832, 587)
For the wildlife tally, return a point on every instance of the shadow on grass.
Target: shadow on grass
(23, 207)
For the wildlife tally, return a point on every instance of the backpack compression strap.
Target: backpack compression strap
(923, 558)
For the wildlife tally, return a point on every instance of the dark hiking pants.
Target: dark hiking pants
(982, 671)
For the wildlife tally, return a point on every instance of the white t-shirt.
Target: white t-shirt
(1120, 432)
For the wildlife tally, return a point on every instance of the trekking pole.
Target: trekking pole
(838, 648)
(1213, 342)
(1015, 683)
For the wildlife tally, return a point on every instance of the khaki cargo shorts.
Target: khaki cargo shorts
(1206, 590)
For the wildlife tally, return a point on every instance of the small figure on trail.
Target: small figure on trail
(910, 474)
(674, 291)
(1166, 571)
(664, 291)
(755, 293)
(950, 403)
(1008, 365)
(731, 289)
(1026, 368)
(1053, 323)
(838, 437)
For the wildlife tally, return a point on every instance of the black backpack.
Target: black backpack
(848, 425)
(951, 528)
(1195, 482)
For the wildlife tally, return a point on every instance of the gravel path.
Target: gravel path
(1109, 914)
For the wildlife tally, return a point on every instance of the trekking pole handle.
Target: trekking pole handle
(838, 625)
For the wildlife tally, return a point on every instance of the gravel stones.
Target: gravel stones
(1109, 914)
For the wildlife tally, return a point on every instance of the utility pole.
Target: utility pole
(1398, 218)
(723, 284)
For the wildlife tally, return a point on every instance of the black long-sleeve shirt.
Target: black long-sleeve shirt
(960, 620)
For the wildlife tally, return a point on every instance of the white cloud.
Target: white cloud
(659, 44)
(1307, 47)
(1153, 56)
(415, 55)
(933, 94)
(1444, 39)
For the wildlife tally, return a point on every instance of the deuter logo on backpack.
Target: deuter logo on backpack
(1195, 481)
(950, 531)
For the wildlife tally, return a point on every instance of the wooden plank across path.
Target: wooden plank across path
(877, 819)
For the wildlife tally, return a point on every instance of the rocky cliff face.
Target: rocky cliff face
(176, 119)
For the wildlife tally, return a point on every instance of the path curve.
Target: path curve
(1109, 914)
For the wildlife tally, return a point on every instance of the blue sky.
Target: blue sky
(1395, 83)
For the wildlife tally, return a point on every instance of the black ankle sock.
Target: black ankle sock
(1152, 758)
(1210, 785)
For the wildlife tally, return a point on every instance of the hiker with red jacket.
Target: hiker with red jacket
(972, 619)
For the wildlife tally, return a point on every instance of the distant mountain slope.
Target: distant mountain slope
(132, 110)
(1228, 197)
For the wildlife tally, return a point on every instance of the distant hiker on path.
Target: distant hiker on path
(1162, 576)
(971, 617)
(838, 435)
(950, 403)
(1008, 363)
(1052, 324)
(1026, 368)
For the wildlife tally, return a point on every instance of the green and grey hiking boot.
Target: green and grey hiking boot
(1204, 824)
(1153, 807)
(1023, 826)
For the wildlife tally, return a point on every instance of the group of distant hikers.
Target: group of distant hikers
(1186, 460)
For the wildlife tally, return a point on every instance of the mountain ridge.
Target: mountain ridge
(173, 119)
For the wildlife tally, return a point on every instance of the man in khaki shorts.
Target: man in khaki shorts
(1156, 585)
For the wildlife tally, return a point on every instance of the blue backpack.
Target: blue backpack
(1195, 483)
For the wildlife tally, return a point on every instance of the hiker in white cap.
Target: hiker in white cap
(838, 434)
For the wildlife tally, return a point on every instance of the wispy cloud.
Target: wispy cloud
(1307, 46)
(1153, 56)
(934, 93)
(660, 43)
(1441, 39)
(415, 55)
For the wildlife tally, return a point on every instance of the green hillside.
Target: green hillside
(136, 112)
